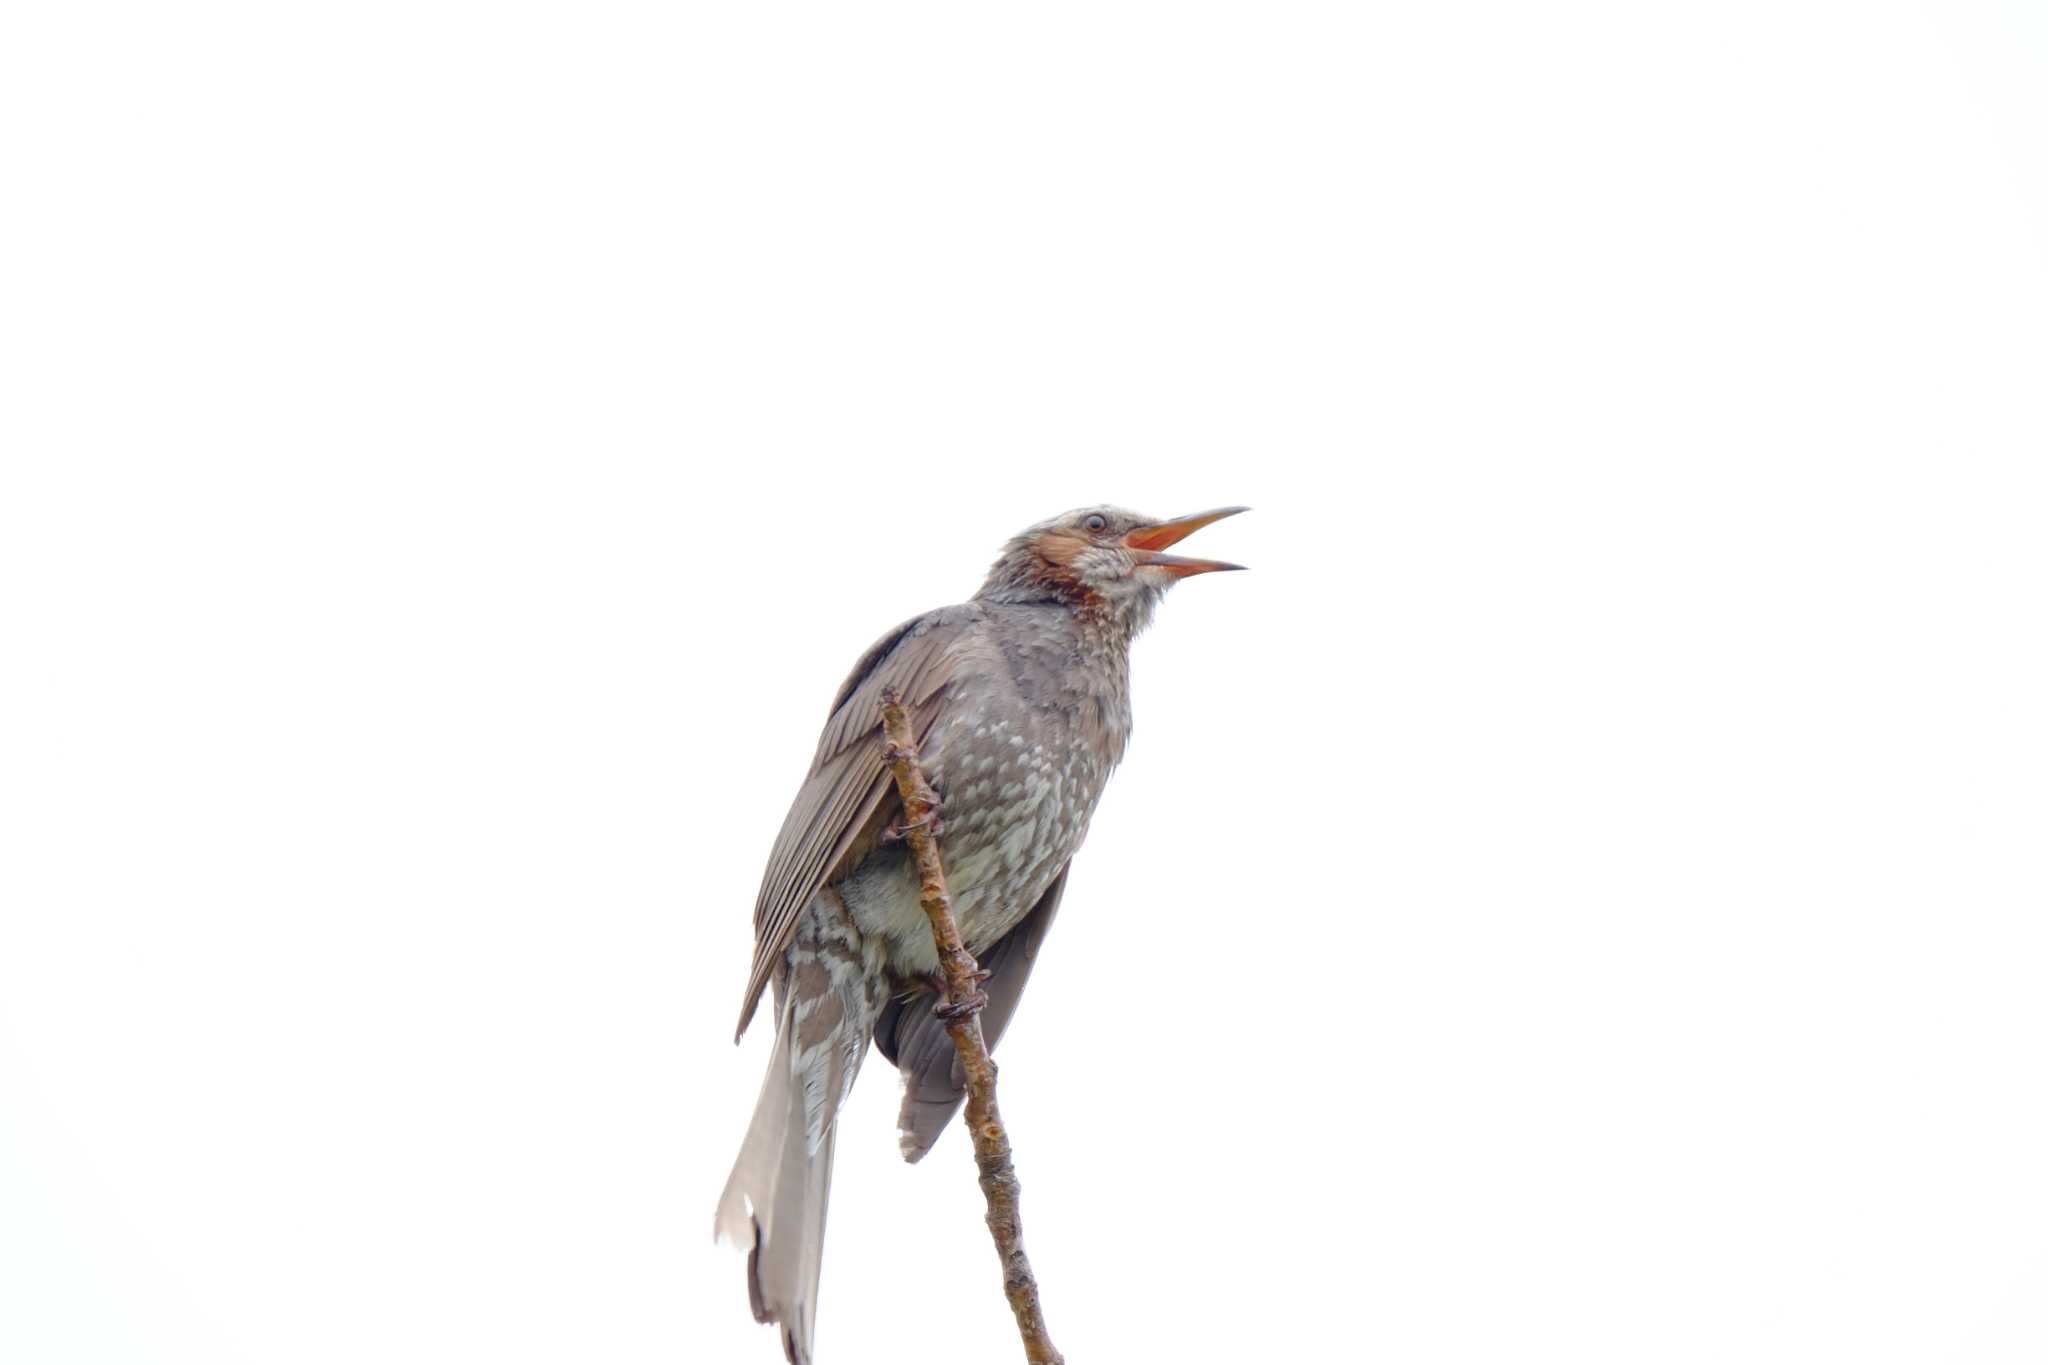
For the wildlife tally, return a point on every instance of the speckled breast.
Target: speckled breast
(1018, 792)
(1020, 754)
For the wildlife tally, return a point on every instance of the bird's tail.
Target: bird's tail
(774, 1207)
(774, 1202)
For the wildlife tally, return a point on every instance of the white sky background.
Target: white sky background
(1579, 898)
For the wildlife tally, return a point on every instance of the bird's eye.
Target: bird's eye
(1096, 522)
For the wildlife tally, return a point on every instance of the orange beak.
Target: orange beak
(1149, 541)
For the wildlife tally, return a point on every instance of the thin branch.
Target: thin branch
(961, 1013)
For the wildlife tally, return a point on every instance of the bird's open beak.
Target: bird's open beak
(1149, 541)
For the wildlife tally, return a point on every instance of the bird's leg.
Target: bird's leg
(946, 1009)
(973, 1004)
(902, 829)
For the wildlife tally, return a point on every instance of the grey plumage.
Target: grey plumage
(1020, 701)
(916, 1042)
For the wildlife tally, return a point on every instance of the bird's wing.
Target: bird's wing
(914, 1038)
(848, 796)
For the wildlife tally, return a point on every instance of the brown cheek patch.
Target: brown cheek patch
(1053, 560)
(1060, 548)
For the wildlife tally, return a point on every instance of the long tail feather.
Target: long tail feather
(774, 1202)
(774, 1209)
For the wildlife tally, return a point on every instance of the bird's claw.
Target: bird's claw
(903, 829)
(961, 1009)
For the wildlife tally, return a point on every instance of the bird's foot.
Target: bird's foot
(903, 829)
(947, 1009)
(935, 979)
(961, 1009)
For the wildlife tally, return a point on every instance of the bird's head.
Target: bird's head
(1102, 561)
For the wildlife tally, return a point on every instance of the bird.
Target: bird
(1019, 702)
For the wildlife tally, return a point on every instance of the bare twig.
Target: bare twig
(961, 1013)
